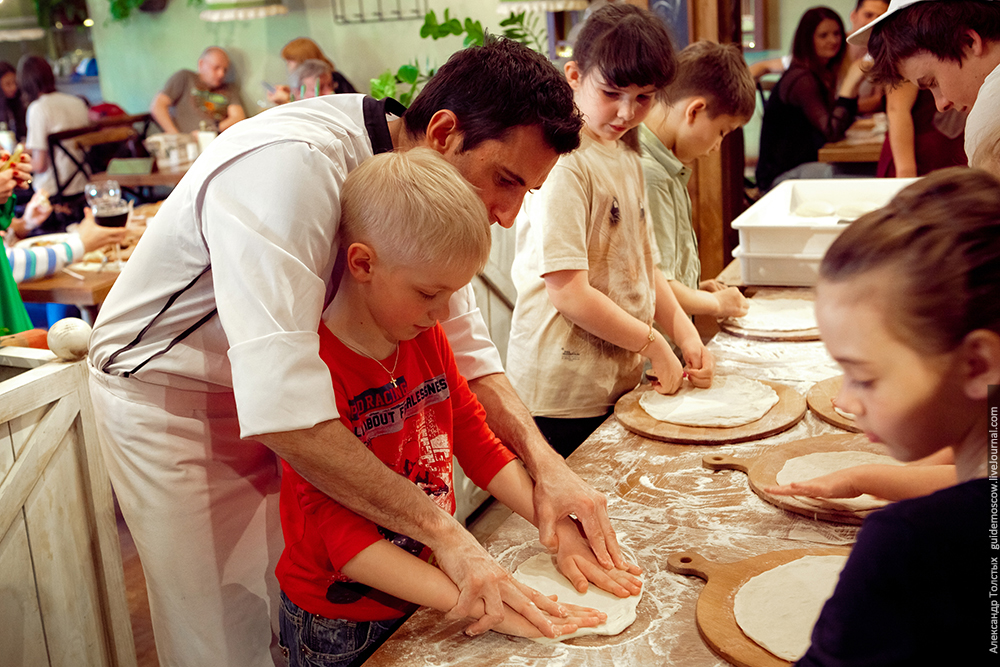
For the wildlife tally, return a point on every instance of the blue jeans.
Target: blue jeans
(315, 641)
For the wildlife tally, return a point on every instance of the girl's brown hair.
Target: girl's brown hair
(941, 239)
(302, 49)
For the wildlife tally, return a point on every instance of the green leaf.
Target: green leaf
(408, 74)
(384, 85)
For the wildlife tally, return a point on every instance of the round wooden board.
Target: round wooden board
(789, 409)
(714, 613)
(820, 400)
(763, 470)
(731, 326)
(779, 336)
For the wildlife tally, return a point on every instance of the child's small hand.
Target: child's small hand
(711, 286)
(577, 617)
(576, 561)
(699, 365)
(731, 303)
(666, 367)
(839, 484)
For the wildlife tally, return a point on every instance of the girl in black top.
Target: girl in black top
(11, 106)
(804, 111)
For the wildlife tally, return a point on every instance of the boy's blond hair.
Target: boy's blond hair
(718, 73)
(987, 155)
(414, 208)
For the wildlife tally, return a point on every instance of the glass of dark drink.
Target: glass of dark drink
(110, 209)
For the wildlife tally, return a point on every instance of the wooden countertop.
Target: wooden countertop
(64, 288)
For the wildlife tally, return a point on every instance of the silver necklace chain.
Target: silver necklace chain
(392, 373)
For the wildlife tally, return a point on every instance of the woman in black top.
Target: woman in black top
(11, 107)
(804, 111)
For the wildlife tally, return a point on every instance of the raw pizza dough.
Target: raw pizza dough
(844, 413)
(809, 466)
(778, 315)
(778, 608)
(540, 573)
(730, 401)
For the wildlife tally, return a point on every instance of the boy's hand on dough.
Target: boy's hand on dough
(576, 561)
(731, 303)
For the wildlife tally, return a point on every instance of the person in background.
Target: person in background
(347, 582)
(13, 316)
(588, 290)
(311, 78)
(297, 52)
(189, 98)
(951, 49)
(205, 361)
(805, 110)
(920, 138)
(870, 95)
(907, 304)
(712, 95)
(35, 261)
(48, 112)
(12, 111)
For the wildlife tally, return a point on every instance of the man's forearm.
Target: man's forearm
(340, 466)
(510, 420)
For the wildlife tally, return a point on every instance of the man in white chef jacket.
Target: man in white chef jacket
(210, 336)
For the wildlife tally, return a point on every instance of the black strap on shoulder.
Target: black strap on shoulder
(375, 123)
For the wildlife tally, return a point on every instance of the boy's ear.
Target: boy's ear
(980, 363)
(360, 262)
(972, 44)
(573, 75)
(443, 132)
(694, 106)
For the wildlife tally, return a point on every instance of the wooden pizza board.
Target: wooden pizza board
(714, 613)
(820, 400)
(732, 327)
(784, 414)
(763, 470)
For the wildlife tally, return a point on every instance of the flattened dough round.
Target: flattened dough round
(778, 315)
(778, 608)
(844, 413)
(730, 401)
(540, 573)
(809, 466)
(814, 209)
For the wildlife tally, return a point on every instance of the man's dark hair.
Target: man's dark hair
(34, 78)
(938, 28)
(495, 88)
(628, 45)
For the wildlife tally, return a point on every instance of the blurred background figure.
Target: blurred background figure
(190, 98)
(297, 52)
(311, 78)
(920, 138)
(11, 106)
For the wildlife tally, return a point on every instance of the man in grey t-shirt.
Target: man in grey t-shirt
(188, 98)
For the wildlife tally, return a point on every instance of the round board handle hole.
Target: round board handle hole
(687, 559)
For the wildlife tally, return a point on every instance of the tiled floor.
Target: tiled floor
(482, 527)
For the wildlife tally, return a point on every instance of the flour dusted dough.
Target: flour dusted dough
(809, 466)
(844, 413)
(778, 315)
(730, 401)
(540, 573)
(778, 608)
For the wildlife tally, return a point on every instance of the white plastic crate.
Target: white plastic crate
(772, 226)
(778, 269)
